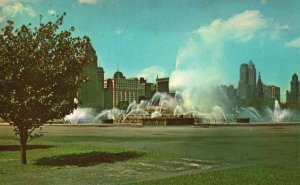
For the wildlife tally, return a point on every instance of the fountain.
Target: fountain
(278, 114)
(110, 114)
(162, 106)
(81, 115)
(164, 109)
(249, 112)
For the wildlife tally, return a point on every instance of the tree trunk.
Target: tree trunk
(23, 142)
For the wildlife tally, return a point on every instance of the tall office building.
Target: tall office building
(252, 79)
(251, 73)
(144, 90)
(293, 96)
(162, 85)
(247, 83)
(91, 93)
(243, 89)
(108, 94)
(259, 88)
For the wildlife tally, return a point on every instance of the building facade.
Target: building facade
(144, 90)
(91, 93)
(271, 92)
(108, 94)
(162, 85)
(293, 96)
(120, 92)
(247, 82)
(260, 89)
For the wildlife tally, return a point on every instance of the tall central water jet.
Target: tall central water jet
(278, 114)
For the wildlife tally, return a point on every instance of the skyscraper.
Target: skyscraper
(259, 88)
(162, 85)
(91, 93)
(243, 89)
(251, 74)
(293, 96)
(252, 79)
(247, 83)
(108, 94)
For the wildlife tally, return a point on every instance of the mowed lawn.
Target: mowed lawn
(154, 155)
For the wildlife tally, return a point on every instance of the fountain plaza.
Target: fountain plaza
(165, 110)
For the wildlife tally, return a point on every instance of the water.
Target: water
(81, 115)
(278, 114)
(267, 115)
(164, 105)
(109, 114)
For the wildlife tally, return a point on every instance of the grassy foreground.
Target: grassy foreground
(154, 155)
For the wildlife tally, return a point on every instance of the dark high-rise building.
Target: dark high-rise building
(244, 74)
(259, 88)
(243, 87)
(91, 93)
(293, 96)
(162, 85)
(247, 83)
(144, 90)
(252, 79)
(252, 73)
(108, 94)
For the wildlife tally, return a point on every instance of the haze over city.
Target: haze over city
(203, 40)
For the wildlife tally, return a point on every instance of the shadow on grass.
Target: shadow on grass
(6, 148)
(87, 159)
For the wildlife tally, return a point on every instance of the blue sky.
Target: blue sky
(191, 41)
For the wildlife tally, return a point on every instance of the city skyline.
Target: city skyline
(176, 38)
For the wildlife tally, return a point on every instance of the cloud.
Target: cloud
(15, 8)
(277, 30)
(150, 73)
(52, 12)
(88, 1)
(241, 27)
(263, 2)
(295, 43)
(202, 63)
(119, 30)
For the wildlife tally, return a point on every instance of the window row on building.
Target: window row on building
(116, 92)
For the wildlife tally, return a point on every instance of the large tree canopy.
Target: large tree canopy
(40, 73)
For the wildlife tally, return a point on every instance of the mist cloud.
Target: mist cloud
(201, 62)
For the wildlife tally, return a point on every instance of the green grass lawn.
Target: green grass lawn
(154, 155)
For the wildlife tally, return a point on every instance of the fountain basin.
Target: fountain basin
(243, 120)
(168, 121)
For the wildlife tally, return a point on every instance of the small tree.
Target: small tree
(40, 73)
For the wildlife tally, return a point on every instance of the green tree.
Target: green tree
(40, 73)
